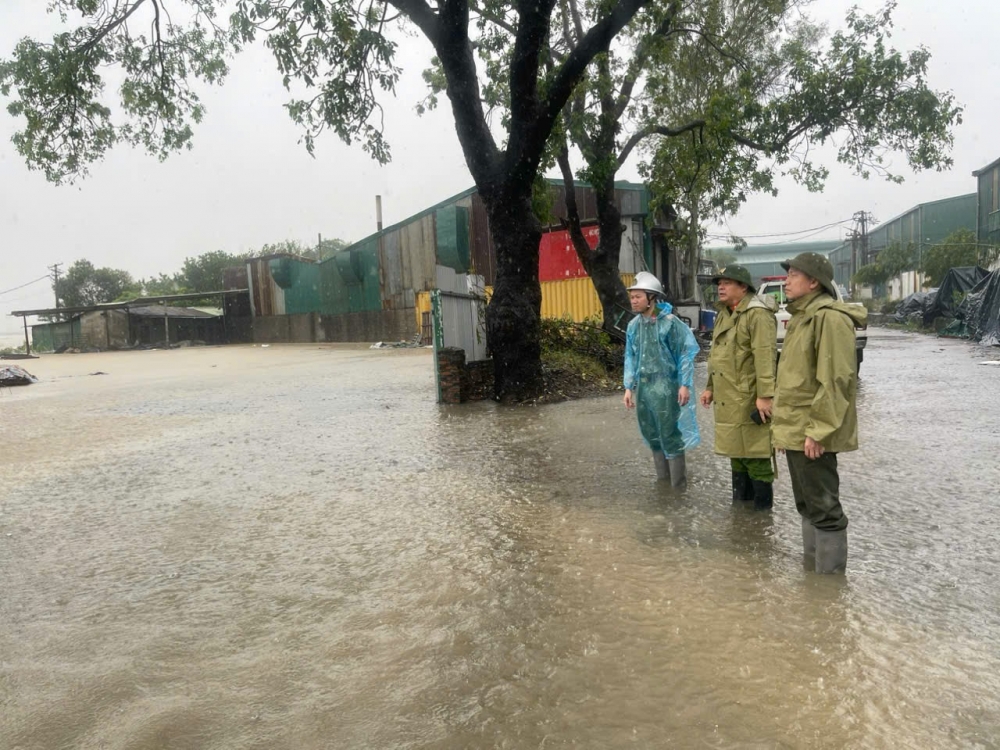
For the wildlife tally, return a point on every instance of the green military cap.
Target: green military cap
(815, 265)
(736, 273)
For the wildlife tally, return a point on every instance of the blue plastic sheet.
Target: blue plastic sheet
(659, 359)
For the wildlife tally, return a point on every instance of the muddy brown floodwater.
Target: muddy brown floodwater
(295, 547)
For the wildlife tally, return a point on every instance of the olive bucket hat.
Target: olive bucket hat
(735, 273)
(815, 265)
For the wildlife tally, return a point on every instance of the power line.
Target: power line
(815, 230)
(14, 289)
(804, 237)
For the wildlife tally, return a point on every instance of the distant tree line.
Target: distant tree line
(84, 284)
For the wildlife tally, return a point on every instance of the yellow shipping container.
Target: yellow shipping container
(573, 298)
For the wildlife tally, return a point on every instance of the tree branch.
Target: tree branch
(639, 135)
(638, 62)
(422, 15)
(572, 222)
(502, 23)
(523, 160)
(711, 43)
(577, 22)
(448, 31)
(111, 26)
(534, 17)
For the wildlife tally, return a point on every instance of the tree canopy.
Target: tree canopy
(749, 102)
(958, 249)
(527, 60)
(83, 285)
(891, 261)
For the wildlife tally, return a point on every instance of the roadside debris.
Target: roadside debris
(413, 344)
(14, 375)
(67, 349)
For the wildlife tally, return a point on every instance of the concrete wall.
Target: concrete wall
(375, 325)
(904, 285)
(371, 326)
(104, 329)
(285, 329)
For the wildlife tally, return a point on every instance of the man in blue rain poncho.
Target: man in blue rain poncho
(659, 377)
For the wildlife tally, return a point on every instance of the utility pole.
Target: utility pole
(55, 283)
(854, 263)
(860, 252)
(861, 219)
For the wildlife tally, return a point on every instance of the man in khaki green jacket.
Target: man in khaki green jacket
(815, 415)
(741, 384)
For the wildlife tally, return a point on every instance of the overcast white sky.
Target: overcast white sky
(248, 181)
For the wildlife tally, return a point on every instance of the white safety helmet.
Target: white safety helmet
(646, 282)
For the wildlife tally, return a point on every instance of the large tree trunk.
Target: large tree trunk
(513, 316)
(504, 177)
(693, 246)
(682, 271)
(601, 263)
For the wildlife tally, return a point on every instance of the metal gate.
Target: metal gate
(459, 322)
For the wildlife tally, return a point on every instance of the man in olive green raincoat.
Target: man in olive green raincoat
(815, 415)
(741, 384)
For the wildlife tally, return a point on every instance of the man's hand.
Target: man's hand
(813, 449)
(683, 395)
(629, 399)
(765, 406)
(706, 398)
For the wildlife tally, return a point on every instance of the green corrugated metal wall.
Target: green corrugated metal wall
(301, 283)
(926, 224)
(841, 260)
(452, 223)
(989, 218)
(938, 220)
(351, 280)
(334, 299)
(47, 337)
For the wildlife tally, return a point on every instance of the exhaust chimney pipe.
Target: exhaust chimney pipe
(378, 212)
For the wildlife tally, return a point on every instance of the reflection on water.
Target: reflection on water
(302, 552)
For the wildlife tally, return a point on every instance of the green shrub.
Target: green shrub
(889, 307)
(585, 340)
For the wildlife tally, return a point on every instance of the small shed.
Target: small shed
(123, 328)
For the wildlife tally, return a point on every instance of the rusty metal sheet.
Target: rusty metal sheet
(391, 270)
(268, 298)
(417, 245)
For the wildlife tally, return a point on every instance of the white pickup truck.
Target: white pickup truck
(775, 287)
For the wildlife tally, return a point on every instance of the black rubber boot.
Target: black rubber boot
(809, 542)
(662, 467)
(763, 495)
(678, 471)
(831, 551)
(742, 487)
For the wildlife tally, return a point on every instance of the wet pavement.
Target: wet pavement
(294, 547)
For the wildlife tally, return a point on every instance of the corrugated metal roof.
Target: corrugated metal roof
(161, 311)
(778, 251)
(987, 168)
(907, 212)
(630, 197)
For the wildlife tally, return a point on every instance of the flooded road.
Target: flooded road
(294, 547)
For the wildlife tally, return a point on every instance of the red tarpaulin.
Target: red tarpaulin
(557, 259)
